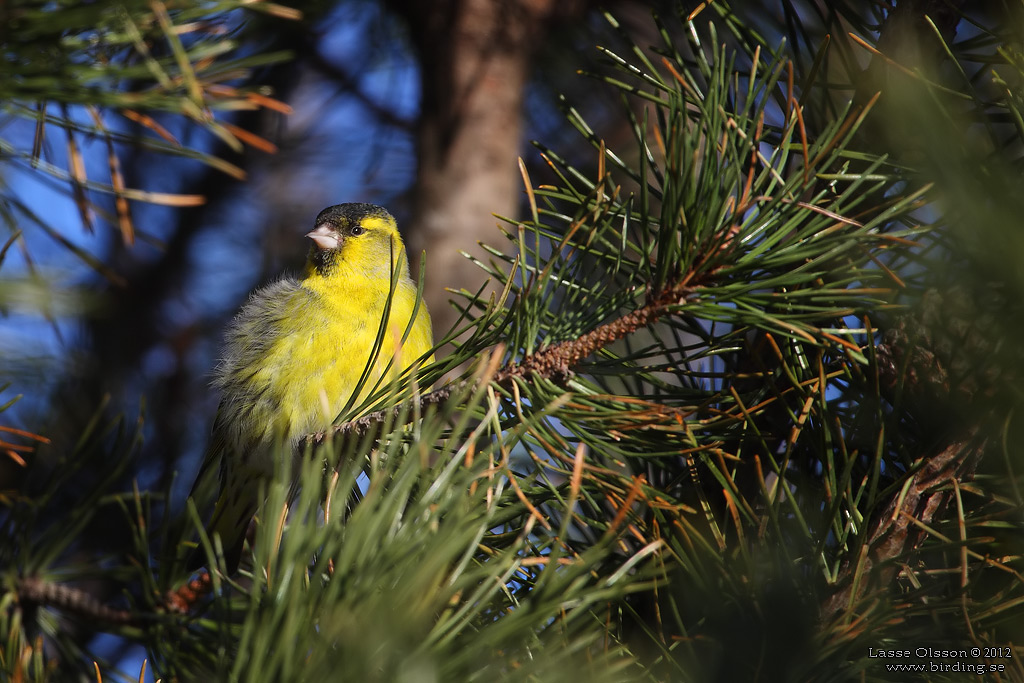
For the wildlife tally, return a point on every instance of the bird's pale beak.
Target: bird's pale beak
(324, 237)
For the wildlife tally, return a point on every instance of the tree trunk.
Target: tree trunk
(475, 60)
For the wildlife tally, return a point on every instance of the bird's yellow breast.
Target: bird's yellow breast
(315, 341)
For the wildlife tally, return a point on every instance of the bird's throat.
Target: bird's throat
(324, 261)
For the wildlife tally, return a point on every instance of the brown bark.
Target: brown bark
(475, 58)
(895, 536)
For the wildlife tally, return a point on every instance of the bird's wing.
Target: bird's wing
(208, 480)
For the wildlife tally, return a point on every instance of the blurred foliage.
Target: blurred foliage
(82, 72)
(744, 410)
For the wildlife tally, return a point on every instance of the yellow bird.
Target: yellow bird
(294, 355)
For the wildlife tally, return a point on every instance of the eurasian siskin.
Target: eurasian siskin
(294, 354)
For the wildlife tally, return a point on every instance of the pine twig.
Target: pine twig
(36, 591)
(894, 534)
(556, 362)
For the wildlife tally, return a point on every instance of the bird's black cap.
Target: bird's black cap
(341, 215)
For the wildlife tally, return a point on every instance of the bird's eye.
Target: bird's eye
(357, 230)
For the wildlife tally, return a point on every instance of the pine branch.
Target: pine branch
(556, 362)
(36, 591)
(899, 528)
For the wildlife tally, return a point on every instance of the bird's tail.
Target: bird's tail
(230, 521)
